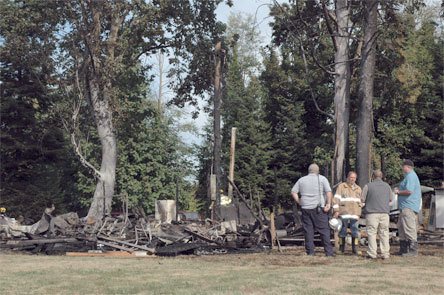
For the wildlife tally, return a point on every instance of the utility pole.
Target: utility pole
(160, 59)
(219, 57)
(232, 158)
(177, 199)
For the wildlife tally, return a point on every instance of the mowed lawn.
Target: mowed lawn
(262, 273)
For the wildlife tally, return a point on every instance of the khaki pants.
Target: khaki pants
(408, 225)
(378, 223)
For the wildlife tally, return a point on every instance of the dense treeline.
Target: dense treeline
(81, 128)
(292, 123)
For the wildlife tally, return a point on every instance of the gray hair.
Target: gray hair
(313, 168)
(377, 174)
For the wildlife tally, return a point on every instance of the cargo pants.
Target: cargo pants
(378, 224)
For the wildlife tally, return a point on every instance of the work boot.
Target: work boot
(342, 245)
(354, 246)
(412, 249)
(403, 247)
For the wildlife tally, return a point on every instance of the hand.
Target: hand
(327, 208)
(396, 190)
(336, 215)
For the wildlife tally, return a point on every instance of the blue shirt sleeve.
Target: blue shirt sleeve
(403, 184)
(410, 184)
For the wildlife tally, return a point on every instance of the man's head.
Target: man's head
(377, 174)
(351, 177)
(407, 166)
(313, 168)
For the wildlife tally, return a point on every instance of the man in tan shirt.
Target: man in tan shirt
(347, 206)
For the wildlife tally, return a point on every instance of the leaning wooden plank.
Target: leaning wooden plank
(246, 203)
(435, 242)
(115, 246)
(151, 250)
(106, 254)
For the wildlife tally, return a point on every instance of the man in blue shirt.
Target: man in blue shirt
(409, 202)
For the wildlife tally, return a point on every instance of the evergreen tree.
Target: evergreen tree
(284, 114)
(243, 109)
(33, 146)
(409, 112)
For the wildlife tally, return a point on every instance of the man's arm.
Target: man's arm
(364, 194)
(391, 197)
(295, 197)
(327, 191)
(295, 191)
(404, 192)
(407, 188)
(327, 206)
(336, 200)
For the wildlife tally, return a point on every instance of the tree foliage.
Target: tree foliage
(79, 72)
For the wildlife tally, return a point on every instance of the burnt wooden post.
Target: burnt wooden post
(272, 230)
(216, 117)
(232, 158)
(177, 198)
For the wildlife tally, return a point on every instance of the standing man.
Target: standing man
(377, 196)
(409, 201)
(312, 189)
(347, 205)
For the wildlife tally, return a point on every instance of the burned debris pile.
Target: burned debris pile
(133, 233)
(244, 227)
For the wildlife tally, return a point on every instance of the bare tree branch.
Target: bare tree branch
(72, 127)
(330, 29)
(313, 97)
(304, 58)
(313, 55)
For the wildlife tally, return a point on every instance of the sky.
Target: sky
(258, 8)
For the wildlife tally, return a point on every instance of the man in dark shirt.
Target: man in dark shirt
(377, 196)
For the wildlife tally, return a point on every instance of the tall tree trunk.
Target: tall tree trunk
(364, 130)
(100, 75)
(342, 89)
(103, 194)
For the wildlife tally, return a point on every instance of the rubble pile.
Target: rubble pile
(131, 233)
(244, 228)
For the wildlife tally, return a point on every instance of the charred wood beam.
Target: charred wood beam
(119, 247)
(24, 243)
(101, 238)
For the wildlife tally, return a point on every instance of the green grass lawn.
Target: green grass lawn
(264, 273)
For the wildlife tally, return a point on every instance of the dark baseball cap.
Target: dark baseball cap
(408, 162)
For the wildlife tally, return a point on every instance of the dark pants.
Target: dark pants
(313, 219)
